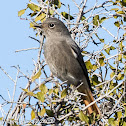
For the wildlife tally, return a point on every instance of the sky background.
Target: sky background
(14, 35)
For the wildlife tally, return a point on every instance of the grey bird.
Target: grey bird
(64, 58)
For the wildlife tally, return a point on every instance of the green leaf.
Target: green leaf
(66, 15)
(120, 76)
(121, 46)
(40, 96)
(111, 120)
(102, 19)
(37, 75)
(101, 61)
(49, 113)
(43, 88)
(83, 18)
(96, 20)
(83, 117)
(107, 51)
(21, 12)
(95, 80)
(102, 40)
(119, 114)
(64, 93)
(117, 24)
(107, 48)
(88, 64)
(32, 115)
(112, 48)
(33, 7)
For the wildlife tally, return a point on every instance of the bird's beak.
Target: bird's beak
(38, 25)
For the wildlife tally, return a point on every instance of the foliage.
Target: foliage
(99, 30)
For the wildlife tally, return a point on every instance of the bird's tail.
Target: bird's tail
(88, 98)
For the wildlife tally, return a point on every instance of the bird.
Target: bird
(65, 60)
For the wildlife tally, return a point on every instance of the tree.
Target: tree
(99, 30)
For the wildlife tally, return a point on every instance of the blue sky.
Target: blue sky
(14, 36)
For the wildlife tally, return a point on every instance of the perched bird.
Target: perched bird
(64, 58)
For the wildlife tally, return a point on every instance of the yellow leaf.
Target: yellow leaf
(1, 118)
(30, 93)
(43, 111)
(95, 67)
(43, 88)
(112, 74)
(125, 110)
(37, 75)
(50, 91)
(59, 4)
(115, 9)
(51, 11)
(32, 25)
(120, 76)
(21, 12)
(120, 12)
(119, 114)
(56, 90)
(121, 46)
(40, 96)
(33, 7)
(32, 115)
(40, 17)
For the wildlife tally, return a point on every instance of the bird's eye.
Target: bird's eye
(51, 25)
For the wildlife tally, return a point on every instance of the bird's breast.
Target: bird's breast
(62, 61)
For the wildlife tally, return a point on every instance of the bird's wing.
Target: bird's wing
(77, 53)
(86, 90)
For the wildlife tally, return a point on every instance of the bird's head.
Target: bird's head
(53, 27)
